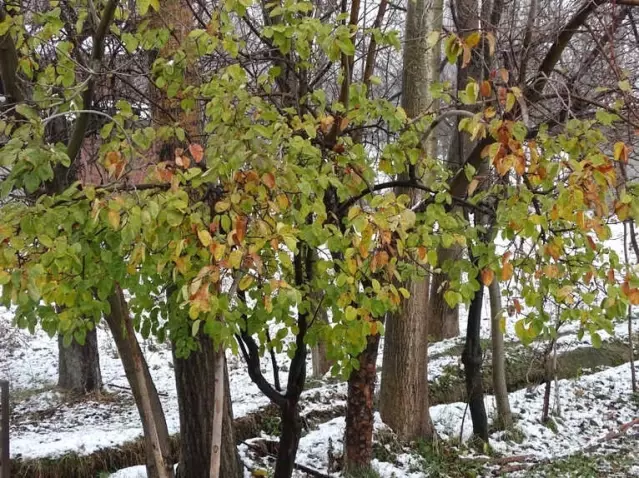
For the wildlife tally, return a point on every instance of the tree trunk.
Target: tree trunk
(79, 365)
(545, 412)
(472, 360)
(321, 363)
(358, 440)
(289, 439)
(403, 401)
(404, 387)
(443, 320)
(504, 416)
(195, 380)
(156, 435)
(218, 412)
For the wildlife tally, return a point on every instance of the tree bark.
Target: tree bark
(195, 381)
(504, 416)
(79, 365)
(358, 440)
(443, 320)
(321, 363)
(218, 413)
(403, 403)
(472, 360)
(289, 439)
(156, 435)
(404, 387)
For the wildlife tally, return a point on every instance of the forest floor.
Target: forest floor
(594, 434)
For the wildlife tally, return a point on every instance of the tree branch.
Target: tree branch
(77, 137)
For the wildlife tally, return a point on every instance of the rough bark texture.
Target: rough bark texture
(504, 416)
(472, 360)
(321, 363)
(443, 320)
(195, 380)
(404, 388)
(158, 452)
(358, 440)
(404, 392)
(79, 365)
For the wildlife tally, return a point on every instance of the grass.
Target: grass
(441, 460)
(586, 465)
(362, 473)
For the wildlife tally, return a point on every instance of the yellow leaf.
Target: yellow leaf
(472, 40)
(222, 206)
(245, 282)
(205, 237)
(114, 219)
(282, 201)
(235, 259)
(621, 152)
(326, 122)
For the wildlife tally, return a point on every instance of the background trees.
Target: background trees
(244, 170)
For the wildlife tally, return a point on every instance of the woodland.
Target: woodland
(359, 238)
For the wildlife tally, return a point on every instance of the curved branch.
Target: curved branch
(411, 183)
(82, 123)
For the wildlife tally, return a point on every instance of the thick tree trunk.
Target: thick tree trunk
(156, 435)
(443, 320)
(321, 363)
(358, 440)
(404, 389)
(79, 365)
(289, 439)
(195, 380)
(472, 360)
(504, 416)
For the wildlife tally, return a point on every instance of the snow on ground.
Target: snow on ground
(591, 407)
(45, 423)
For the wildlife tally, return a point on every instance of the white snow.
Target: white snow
(45, 423)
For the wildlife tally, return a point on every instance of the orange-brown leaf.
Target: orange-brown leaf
(343, 124)
(487, 276)
(485, 89)
(633, 296)
(269, 180)
(196, 151)
(421, 253)
(517, 305)
(182, 161)
(240, 228)
(611, 276)
(506, 271)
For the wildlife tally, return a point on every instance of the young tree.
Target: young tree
(78, 358)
